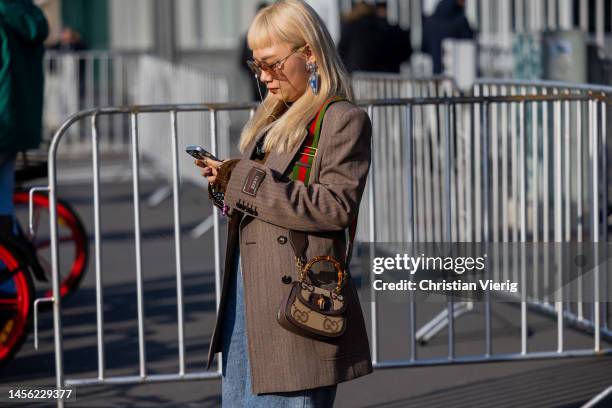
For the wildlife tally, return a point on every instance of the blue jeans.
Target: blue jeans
(236, 382)
(7, 182)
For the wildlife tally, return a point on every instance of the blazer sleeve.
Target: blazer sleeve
(328, 205)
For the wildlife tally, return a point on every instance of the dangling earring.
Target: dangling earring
(313, 80)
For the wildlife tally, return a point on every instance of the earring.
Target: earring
(313, 81)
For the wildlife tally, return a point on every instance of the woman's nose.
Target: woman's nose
(265, 77)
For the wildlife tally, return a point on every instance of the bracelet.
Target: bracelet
(218, 200)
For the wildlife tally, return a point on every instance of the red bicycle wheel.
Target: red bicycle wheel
(72, 241)
(16, 302)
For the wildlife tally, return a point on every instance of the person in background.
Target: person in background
(23, 29)
(369, 43)
(448, 21)
(70, 40)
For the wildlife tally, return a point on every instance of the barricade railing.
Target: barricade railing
(474, 187)
(424, 185)
(80, 80)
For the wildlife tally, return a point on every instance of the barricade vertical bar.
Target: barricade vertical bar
(545, 192)
(418, 160)
(552, 14)
(493, 138)
(534, 143)
(486, 209)
(567, 160)
(523, 225)
(567, 193)
(399, 162)
(599, 23)
(118, 121)
(90, 88)
(410, 156)
(104, 99)
(97, 243)
(55, 279)
(604, 200)
(448, 232)
(504, 183)
(372, 239)
(579, 195)
(429, 176)
(411, 217)
(217, 230)
(515, 183)
(469, 172)
(594, 154)
(477, 169)
(558, 221)
(137, 235)
(177, 241)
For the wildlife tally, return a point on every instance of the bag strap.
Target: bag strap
(303, 164)
(301, 171)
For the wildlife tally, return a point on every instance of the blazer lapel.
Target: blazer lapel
(276, 161)
(248, 152)
(280, 161)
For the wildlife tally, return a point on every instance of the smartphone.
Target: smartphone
(200, 153)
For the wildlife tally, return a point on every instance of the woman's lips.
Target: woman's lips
(273, 90)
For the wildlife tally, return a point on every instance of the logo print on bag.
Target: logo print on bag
(331, 325)
(300, 315)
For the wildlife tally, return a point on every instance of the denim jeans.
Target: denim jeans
(236, 382)
(7, 182)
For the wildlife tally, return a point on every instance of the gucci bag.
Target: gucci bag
(311, 310)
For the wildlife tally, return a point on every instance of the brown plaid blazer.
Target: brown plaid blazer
(264, 204)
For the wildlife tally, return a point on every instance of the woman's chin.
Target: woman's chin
(282, 96)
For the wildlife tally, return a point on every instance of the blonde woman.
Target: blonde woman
(267, 194)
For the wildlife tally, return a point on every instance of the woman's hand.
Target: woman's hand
(211, 168)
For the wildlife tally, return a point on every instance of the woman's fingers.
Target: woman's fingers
(213, 163)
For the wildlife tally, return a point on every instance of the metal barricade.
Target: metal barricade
(389, 123)
(172, 145)
(80, 80)
(442, 186)
(474, 188)
(75, 81)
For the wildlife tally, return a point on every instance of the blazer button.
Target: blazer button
(286, 279)
(282, 239)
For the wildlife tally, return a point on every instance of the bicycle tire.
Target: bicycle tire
(67, 216)
(14, 329)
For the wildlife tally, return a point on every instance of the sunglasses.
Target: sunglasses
(275, 69)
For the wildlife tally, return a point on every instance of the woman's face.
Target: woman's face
(288, 78)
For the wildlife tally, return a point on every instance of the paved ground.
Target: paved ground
(544, 383)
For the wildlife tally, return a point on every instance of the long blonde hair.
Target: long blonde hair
(296, 23)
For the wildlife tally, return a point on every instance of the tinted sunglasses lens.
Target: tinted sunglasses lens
(254, 68)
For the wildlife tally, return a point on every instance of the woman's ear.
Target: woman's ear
(310, 57)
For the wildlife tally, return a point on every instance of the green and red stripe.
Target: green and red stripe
(303, 164)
